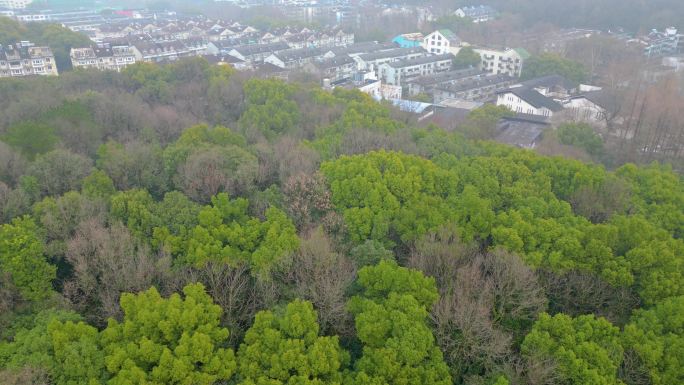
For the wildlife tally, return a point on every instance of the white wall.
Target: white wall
(497, 62)
(519, 105)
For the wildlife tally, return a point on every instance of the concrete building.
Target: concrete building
(442, 41)
(372, 61)
(477, 13)
(103, 57)
(399, 72)
(426, 84)
(506, 61)
(335, 69)
(482, 88)
(25, 59)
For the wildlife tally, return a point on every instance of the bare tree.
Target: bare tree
(106, 262)
(232, 288)
(322, 276)
(307, 199)
(576, 293)
(25, 376)
(485, 297)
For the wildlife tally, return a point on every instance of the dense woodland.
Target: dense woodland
(186, 224)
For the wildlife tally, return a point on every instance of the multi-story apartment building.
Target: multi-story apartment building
(372, 61)
(475, 89)
(103, 57)
(399, 72)
(25, 59)
(507, 61)
(15, 4)
(335, 69)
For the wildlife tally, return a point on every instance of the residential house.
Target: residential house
(231, 61)
(527, 101)
(256, 53)
(442, 41)
(268, 70)
(295, 58)
(477, 13)
(399, 72)
(508, 61)
(25, 59)
(167, 50)
(103, 57)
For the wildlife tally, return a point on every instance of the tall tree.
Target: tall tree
(391, 322)
(171, 340)
(22, 256)
(284, 347)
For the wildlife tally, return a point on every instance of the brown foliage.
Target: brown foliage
(106, 262)
(487, 301)
(25, 376)
(576, 293)
(232, 288)
(322, 276)
(307, 199)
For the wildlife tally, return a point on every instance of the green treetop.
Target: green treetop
(284, 347)
(22, 256)
(165, 341)
(391, 322)
(586, 350)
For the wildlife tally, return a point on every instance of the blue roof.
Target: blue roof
(410, 105)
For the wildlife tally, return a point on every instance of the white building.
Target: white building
(587, 108)
(478, 13)
(372, 61)
(507, 61)
(103, 57)
(399, 72)
(378, 91)
(295, 58)
(335, 69)
(25, 59)
(527, 101)
(15, 4)
(443, 41)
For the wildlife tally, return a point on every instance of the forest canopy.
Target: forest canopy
(189, 224)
